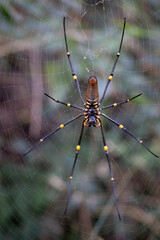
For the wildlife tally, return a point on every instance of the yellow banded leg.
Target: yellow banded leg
(73, 167)
(129, 133)
(110, 170)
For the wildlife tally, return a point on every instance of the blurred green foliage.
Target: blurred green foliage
(34, 189)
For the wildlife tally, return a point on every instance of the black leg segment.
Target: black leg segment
(115, 63)
(110, 170)
(51, 133)
(120, 103)
(129, 133)
(73, 167)
(69, 59)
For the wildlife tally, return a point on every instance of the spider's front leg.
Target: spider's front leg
(73, 167)
(51, 133)
(129, 133)
(110, 169)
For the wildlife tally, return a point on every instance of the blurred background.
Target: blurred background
(33, 189)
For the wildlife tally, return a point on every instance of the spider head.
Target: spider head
(92, 121)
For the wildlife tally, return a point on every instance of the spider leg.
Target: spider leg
(54, 131)
(114, 65)
(66, 104)
(110, 170)
(69, 59)
(73, 167)
(120, 103)
(129, 133)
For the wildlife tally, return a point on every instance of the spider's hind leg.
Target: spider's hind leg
(115, 63)
(69, 59)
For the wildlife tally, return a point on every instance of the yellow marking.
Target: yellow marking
(68, 53)
(97, 116)
(87, 106)
(78, 147)
(110, 77)
(112, 179)
(41, 140)
(118, 53)
(74, 77)
(68, 104)
(99, 123)
(99, 113)
(84, 104)
(88, 103)
(86, 117)
(70, 177)
(95, 106)
(140, 141)
(85, 109)
(85, 113)
(85, 123)
(105, 148)
(95, 103)
(99, 104)
(115, 104)
(55, 100)
(128, 100)
(61, 126)
(120, 126)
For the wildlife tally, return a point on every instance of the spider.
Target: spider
(91, 113)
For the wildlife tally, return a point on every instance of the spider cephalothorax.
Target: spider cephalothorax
(91, 113)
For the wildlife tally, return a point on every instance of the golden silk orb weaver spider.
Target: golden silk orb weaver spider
(91, 113)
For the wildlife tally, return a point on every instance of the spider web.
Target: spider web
(33, 61)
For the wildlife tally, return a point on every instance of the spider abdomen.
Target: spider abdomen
(92, 90)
